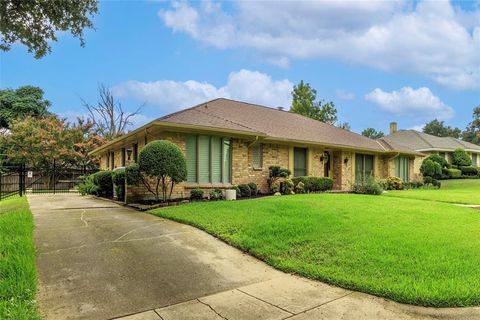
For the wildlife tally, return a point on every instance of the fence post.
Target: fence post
(54, 175)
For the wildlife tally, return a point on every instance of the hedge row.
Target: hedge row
(314, 184)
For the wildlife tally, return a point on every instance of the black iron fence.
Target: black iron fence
(47, 179)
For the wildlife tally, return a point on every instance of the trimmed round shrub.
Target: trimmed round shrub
(430, 168)
(461, 158)
(245, 190)
(287, 186)
(196, 194)
(253, 188)
(215, 194)
(469, 171)
(103, 180)
(118, 178)
(300, 187)
(438, 159)
(163, 158)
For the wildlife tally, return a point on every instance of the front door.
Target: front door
(299, 162)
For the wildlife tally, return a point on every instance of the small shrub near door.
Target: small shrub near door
(392, 183)
(118, 177)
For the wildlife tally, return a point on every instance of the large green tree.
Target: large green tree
(20, 103)
(304, 103)
(439, 129)
(472, 132)
(372, 133)
(35, 23)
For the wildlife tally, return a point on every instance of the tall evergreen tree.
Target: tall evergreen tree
(304, 103)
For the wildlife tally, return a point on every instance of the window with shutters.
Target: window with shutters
(402, 168)
(363, 166)
(257, 156)
(208, 159)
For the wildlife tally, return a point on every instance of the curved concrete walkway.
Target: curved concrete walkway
(98, 260)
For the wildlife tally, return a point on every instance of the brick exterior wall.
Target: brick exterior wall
(342, 165)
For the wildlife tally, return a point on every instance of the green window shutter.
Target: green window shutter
(191, 146)
(359, 167)
(203, 159)
(257, 153)
(299, 162)
(216, 154)
(402, 168)
(368, 166)
(227, 156)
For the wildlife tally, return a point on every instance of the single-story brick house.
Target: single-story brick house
(230, 142)
(429, 144)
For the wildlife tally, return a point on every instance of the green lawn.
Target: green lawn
(18, 278)
(465, 191)
(412, 251)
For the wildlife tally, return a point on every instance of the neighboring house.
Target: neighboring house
(428, 144)
(230, 142)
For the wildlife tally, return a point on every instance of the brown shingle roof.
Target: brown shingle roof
(423, 141)
(274, 124)
(269, 124)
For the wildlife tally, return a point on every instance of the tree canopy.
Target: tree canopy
(439, 129)
(472, 132)
(39, 141)
(304, 103)
(20, 103)
(35, 23)
(372, 133)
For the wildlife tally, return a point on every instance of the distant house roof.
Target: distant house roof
(271, 124)
(426, 142)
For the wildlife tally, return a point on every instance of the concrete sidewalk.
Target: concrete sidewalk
(291, 297)
(98, 260)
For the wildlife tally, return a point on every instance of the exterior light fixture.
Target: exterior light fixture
(129, 153)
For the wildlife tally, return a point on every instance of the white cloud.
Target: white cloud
(420, 103)
(417, 127)
(244, 85)
(345, 95)
(431, 38)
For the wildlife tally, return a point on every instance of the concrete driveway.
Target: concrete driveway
(98, 260)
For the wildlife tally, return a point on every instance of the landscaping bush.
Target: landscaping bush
(461, 158)
(87, 185)
(132, 174)
(118, 178)
(437, 184)
(253, 188)
(427, 180)
(245, 190)
(468, 171)
(369, 186)
(314, 184)
(196, 194)
(276, 173)
(103, 180)
(216, 194)
(392, 183)
(163, 162)
(300, 187)
(414, 184)
(431, 169)
(452, 173)
(438, 159)
(287, 186)
(239, 194)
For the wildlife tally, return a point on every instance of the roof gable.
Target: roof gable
(423, 141)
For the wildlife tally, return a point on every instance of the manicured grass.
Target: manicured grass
(411, 251)
(465, 191)
(18, 278)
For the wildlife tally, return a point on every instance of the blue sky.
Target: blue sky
(378, 61)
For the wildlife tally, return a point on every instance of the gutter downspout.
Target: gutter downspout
(254, 141)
